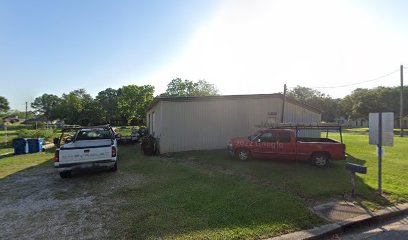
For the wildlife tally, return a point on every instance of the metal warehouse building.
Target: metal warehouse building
(197, 123)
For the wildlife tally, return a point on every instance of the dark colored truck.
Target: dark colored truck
(284, 144)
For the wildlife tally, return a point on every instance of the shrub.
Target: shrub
(47, 134)
(38, 125)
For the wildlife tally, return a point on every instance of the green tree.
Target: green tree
(4, 104)
(73, 105)
(178, 87)
(133, 101)
(46, 105)
(92, 113)
(108, 100)
(361, 102)
(312, 97)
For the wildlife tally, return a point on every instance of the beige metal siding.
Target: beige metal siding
(297, 114)
(208, 124)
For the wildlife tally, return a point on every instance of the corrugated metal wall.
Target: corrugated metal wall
(297, 114)
(208, 124)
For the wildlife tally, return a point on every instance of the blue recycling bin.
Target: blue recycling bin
(20, 146)
(35, 144)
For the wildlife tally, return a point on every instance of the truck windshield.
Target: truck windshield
(93, 135)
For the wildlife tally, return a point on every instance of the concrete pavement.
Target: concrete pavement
(342, 225)
(393, 229)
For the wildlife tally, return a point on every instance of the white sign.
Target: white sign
(387, 123)
(377, 151)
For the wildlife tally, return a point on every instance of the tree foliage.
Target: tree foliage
(178, 87)
(4, 104)
(108, 100)
(133, 101)
(45, 105)
(317, 99)
(362, 101)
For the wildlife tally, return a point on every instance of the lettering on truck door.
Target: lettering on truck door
(266, 145)
(287, 145)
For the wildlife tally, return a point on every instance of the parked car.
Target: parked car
(88, 147)
(284, 144)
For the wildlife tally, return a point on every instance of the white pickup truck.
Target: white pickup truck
(87, 147)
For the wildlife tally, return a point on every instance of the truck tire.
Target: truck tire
(320, 159)
(65, 174)
(243, 155)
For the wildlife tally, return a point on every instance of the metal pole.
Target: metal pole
(379, 153)
(26, 113)
(283, 103)
(353, 183)
(402, 102)
(5, 136)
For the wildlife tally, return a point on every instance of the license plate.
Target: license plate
(86, 165)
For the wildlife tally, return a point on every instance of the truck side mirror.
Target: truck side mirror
(68, 139)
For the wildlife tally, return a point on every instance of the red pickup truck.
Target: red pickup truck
(283, 144)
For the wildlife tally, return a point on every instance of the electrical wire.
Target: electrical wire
(357, 83)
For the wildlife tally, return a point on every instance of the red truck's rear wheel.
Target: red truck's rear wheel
(243, 155)
(320, 159)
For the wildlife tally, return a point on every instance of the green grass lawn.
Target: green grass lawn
(6, 150)
(16, 163)
(395, 164)
(316, 184)
(185, 202)
(366, 130)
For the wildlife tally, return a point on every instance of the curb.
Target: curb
(341, 226)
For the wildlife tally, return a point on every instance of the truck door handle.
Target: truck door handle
(86, 151)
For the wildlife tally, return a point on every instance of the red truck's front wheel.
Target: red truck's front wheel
(243, 155)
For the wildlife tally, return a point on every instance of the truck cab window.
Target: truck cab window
(268, 137)
(284, 137)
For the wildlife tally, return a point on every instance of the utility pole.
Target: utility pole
(401, 102)
(26, 111)
(283, 102)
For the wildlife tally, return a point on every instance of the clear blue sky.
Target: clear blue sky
(242, 46)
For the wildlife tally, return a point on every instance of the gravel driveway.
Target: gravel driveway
(38, 204)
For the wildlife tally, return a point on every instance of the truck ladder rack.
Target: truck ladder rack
(318, 126)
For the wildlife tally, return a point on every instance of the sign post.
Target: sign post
(381, 127)
(380, 153)
(5, 135)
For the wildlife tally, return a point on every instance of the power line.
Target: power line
(357, 83)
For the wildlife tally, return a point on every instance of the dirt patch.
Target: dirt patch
(38, 204)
